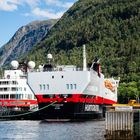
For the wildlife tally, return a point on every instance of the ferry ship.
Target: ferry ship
(16, 96)
(74, 93)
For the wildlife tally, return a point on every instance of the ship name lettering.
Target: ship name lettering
(91, 108)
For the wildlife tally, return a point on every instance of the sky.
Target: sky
(17, 13)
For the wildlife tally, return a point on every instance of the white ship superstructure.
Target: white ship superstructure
(15, 94)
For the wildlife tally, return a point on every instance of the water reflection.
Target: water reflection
(38, 130)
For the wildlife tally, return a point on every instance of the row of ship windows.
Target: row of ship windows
(44, 87)
(68, 86)
(13, 89)
(8, 82)
(16, 96)
(71, 86)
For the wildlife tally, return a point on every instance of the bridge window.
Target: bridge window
(44, 86)
(40, 87)
(14, 89)
(12, 96)
(14, 82)
(48, 86)
(67, 86)
(20, 89)
(29, 96)
(71, 86)
(75, 86)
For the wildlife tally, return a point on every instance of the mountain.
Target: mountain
(110, 29)
(24, 40)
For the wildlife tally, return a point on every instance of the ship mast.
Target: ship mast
(84, 58)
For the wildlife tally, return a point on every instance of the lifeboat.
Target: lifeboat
(108, 85)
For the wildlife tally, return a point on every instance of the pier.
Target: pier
(123, 122)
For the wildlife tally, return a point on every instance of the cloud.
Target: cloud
(45, 13)
(11, 5)
(7, 5)
(35, 7)
(32, 3)
(59, 3)
(50, 13)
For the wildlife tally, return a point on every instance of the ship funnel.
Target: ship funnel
(84, 58)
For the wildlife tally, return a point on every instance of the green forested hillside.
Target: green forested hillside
(110, 29)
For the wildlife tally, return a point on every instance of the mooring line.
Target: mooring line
(23, 114)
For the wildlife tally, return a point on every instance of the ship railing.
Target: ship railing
(58, 69)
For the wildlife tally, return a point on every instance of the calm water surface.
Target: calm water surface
(39, 130)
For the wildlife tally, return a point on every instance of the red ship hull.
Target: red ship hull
(74, 106)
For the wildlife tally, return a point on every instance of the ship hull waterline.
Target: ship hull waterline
(56, 109)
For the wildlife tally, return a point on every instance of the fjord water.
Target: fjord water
(40, 130)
